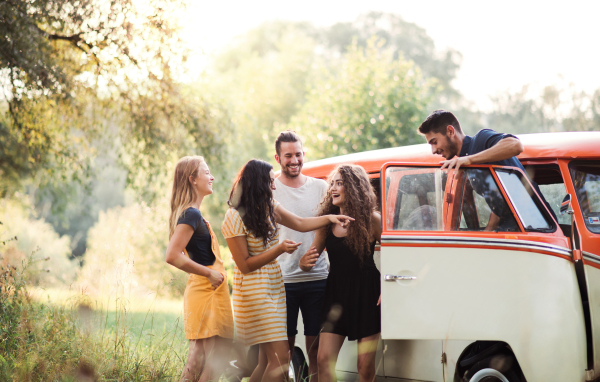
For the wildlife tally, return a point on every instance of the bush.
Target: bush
(50, 263)
(44, 342)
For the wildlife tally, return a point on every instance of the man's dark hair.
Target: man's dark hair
(286, 136)
(437, 122)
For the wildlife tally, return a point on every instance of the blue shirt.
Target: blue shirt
(483, 140)
(486, 138)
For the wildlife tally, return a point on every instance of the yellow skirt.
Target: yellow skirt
(207, 311)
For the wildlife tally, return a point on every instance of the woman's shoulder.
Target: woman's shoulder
(233, 225)
(190, 214)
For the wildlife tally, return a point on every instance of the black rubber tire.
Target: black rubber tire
(299, 366)
(505, 364)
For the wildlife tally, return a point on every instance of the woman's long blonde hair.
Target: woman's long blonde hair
(184, 193)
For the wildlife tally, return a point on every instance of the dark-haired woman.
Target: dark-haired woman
(352, 295)
(250, 227)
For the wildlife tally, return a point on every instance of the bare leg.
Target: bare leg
(367, 348)
(259, 371)
(278, 355)
(217, 354)
(329, 349)
(195, 362)
(312, 348)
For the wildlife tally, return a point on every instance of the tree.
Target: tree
(373, 101)
(404, 39)
(74, 69)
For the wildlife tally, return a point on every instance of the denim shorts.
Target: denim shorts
(306, 297)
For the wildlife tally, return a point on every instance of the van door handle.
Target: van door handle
(396, 277)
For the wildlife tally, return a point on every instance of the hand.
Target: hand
(379, 301)
(288, 246)
(342, 220)
(308, 261)
(215, 278)
(455, 163)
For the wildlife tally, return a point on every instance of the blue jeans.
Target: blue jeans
(306, 297)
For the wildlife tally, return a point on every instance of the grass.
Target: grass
(58, 335)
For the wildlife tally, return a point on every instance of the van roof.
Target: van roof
(542, 146)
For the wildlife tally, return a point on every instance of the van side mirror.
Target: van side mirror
(565, 206)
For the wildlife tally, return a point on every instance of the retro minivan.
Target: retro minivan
(460, 303)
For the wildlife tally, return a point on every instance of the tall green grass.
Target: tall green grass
(82, 340)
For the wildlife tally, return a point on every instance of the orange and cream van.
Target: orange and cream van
(459, 303)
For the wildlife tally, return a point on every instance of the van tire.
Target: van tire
(298, 367)
(497, 368)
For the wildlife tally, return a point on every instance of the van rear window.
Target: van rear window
(586, 179)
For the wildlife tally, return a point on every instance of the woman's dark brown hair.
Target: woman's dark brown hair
(359, 203)
(252, 196)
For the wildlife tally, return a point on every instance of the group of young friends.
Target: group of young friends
(277, 230)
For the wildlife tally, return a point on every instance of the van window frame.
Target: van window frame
(572, 164)
(492, 168)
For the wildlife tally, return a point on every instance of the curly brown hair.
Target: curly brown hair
(359, 203)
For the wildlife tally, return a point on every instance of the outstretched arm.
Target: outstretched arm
(295, 222)
(506, 148)
(246, 263)
(175, 256)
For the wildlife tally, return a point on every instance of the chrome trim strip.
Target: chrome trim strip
(479, 241)
(591, 257)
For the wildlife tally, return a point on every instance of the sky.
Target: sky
(505, 45)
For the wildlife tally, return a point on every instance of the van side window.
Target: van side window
(552, 185)
(586, 179)
(528, 206)
(482, 201)
(414, 198)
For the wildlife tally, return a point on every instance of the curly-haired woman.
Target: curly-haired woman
(250, 227)
(193, 248)
(352, 295)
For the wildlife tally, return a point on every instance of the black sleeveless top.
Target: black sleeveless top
(350, 303)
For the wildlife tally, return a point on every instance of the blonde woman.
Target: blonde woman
(193, 248)
(250, 227)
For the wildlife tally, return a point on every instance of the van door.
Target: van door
(458, 263)
(584, 184)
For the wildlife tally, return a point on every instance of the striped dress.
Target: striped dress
(258, 297)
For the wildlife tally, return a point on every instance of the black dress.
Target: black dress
(350, 304)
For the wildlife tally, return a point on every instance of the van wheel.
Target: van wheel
(498, 368)
(298, 371)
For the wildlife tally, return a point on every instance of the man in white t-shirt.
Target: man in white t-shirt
(301, 195)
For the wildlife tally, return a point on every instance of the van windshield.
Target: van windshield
(527, 205)
(586, 179)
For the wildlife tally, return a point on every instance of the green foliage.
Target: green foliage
(37, 244)
(45, 342)
(126, 253)
(76, 69)
(373, 101)
(403, 38)
(554, 108)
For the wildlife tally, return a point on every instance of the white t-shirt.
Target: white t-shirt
(302, 201)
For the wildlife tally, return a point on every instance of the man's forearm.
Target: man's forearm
(505, 149)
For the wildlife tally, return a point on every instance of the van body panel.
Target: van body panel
(488, 294)
(414, 359)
